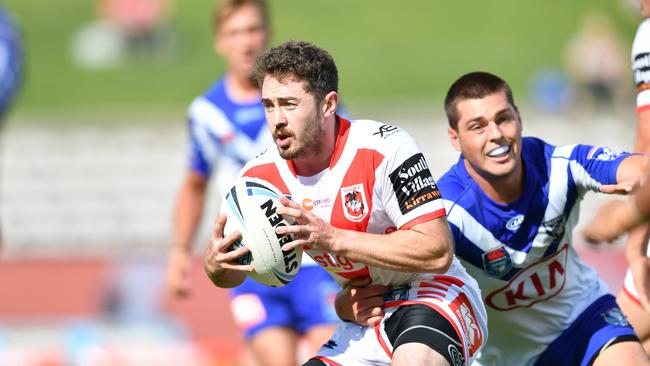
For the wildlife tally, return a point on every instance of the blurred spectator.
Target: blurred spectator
(596, 61)
(143, 23)
(551, 91)
(136, 29)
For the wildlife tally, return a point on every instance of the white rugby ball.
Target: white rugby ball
(251, 206)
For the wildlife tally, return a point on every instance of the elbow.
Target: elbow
(440, 261)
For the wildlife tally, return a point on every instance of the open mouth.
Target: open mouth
(499, 151)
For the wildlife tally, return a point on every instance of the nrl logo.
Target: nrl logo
(355, 206)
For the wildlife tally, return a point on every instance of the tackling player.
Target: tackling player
(227, 128)
(512, 203)
(633, 297)
(381, 217)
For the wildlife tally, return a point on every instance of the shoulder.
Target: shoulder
(384, 137)
(267, 157)
(641, 43)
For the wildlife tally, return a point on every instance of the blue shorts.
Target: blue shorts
(600, 325)
(306, 302)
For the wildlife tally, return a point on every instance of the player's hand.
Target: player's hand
(626, 187)
(308, 229)
(220, 262)
(178, 271)
(604, 227)
(360, 303)
(640, 267)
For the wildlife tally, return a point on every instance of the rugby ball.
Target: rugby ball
(251, 206)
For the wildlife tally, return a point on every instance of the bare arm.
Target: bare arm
(642, 143)
(425, 247)
(187, 216)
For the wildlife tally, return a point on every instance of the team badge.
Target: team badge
(355, 207)
(497, 262)
(614, 316)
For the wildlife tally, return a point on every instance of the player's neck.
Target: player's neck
(502, 189)
(319, 160)
(242, 88)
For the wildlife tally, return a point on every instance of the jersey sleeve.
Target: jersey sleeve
(641, 65)
(593, 166)
(408, 191)
(209, 130)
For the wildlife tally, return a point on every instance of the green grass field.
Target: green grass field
(386, 52)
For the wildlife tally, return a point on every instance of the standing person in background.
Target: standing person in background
(228, 128)
(11, 65)
(633, 297)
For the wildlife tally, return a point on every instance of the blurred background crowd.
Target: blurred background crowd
(92, 149)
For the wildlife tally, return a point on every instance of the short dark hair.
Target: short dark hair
(474, 85)
(226, 8)
(301, 60)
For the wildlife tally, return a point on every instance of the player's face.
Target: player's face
(293, 116)
(488, 136)
(645, 8)
(241, 38)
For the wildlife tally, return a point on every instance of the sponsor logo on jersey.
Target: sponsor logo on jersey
(385, 131)
(334, 261)
(538, 282)
(603, 154)
(497, 262)
(615, 316)
(641, 66)
(552, 231)
(413, 183)
(515, 223)
(455, 355)
(465, 315)
(309, 204)
(354, 202)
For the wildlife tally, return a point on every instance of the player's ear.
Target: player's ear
(453, 138)
(330, 103)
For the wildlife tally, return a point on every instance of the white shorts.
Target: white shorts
(455, 297)
(628, 284)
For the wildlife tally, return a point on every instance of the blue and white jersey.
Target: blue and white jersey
(533, 282)
(11, 59)
(225, 134)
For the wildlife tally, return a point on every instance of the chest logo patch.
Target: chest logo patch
(497, 262)
(354, 202)
(514, 223)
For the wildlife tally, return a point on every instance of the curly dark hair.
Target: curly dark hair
(474, 85)
(301, 60)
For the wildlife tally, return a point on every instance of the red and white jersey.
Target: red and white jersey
(641, 64)
(377, 182)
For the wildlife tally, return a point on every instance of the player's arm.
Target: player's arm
(187, 216)
(220, 262)
(424, 247)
